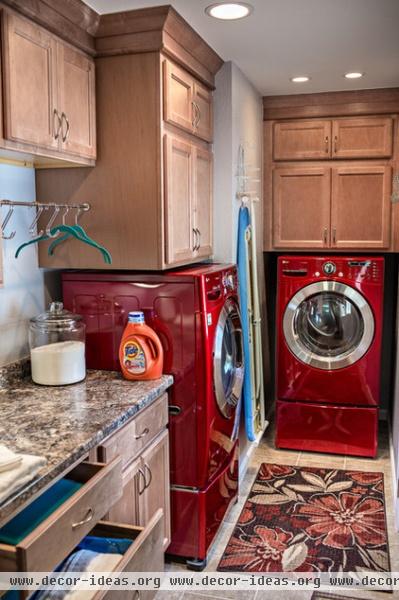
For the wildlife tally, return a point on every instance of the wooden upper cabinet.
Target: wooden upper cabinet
(203, 112)
(360, 206)
(187, 103)
(368, 137)
(178, 200)
(203, 222)
(30, 90)
(301, 207)
(76, 101)
(302, 140)
(49, 93)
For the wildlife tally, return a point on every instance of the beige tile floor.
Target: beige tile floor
(266, 452)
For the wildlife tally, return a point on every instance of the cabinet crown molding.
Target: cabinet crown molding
(331, 104)
(159, 28)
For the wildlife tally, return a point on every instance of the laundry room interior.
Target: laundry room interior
(199, 308)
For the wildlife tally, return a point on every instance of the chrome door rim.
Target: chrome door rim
(227, 404)
(328, 362)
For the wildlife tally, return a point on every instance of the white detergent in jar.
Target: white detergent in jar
(61, 363)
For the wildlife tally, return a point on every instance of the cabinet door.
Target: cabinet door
(29, 83)
(126, 509)
(302, 140)
(178, 96)
(76, 101)
(155, 493)
(203, 175)
(301, 207)
(179, 234)
(203, 112)
(360, 209)
(367, 137)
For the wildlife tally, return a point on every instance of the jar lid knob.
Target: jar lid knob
(56, 307)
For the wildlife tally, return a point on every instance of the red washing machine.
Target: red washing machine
(329, 325)
(195, 313)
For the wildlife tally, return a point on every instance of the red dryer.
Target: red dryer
(329, 326)
(195, 313)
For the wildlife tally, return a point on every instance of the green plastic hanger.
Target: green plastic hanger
(69, 230)
(82, 235)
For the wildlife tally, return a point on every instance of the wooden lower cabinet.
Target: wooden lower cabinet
(360, 206)
(301, 207)
(143, 447)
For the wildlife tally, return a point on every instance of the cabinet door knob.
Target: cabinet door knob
(68, 127)
(336, 144)
(334, 235)
(59, 120)
(325, 236)
(198, 114)
(87, 519)
(199, 239)
(193, 114)
(327, 143)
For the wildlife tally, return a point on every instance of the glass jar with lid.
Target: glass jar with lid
(57, 347)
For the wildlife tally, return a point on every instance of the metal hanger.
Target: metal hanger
(5, 223)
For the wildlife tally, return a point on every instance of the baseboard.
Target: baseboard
(244, 459)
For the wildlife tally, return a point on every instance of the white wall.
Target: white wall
(26, 289)
(238, 120)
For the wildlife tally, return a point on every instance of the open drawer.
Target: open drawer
(56, 536)
(145, 554)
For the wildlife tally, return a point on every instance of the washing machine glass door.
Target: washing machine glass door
(228, 366)
(328, 325)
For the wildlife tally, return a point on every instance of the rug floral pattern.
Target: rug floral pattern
(310, 519)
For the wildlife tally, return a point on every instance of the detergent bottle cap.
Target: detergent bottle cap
(136, 317)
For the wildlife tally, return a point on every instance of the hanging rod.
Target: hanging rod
(84, 206)
(41, 206)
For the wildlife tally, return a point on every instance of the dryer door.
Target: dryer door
(228, 365)
(328, 325)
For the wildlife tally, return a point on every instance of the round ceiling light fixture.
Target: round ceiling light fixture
(229, 11)
(354, 75)
(300, 79)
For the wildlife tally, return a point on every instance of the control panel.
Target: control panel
(352, 269)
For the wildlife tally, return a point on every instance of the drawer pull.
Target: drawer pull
(137, 595)
(87, 519)
(147, 468)
(145, 432)
(141, 472)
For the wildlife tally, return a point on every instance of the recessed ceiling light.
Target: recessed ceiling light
(229, 11)
(300, 79)
(354, 75)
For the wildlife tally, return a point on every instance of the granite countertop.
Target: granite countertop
(64, 423)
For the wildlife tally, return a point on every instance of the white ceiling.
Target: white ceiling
(284, 38)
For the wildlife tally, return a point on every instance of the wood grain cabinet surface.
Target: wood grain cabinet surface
(49, 94)
(187, 103)
(328, 183)
(301, 207)
(360, 137)
(188, 200)
(143, 447)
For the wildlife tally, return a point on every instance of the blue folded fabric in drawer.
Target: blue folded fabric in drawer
(34, 514)
(105, 545)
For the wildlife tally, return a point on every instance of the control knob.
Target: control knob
(329, 268)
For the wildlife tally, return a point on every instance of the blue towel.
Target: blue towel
(105, 545)
(28, 519)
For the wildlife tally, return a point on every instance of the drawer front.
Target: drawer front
(135, 435)
(58, 535)
(144, 555)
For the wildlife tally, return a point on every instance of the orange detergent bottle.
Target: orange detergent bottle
(140, 351)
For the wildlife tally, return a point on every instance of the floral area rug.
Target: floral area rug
(310, 519)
